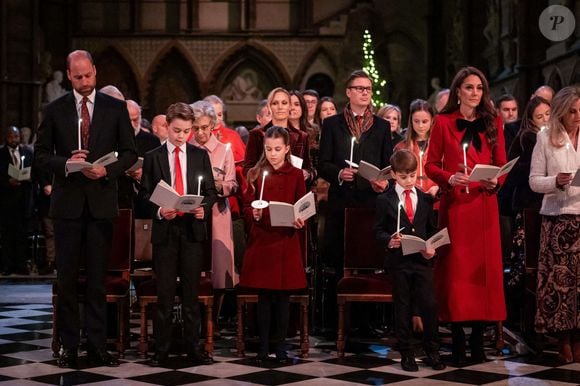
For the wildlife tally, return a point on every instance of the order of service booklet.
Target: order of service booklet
(166, 197)
(413, 244)
(73, 166)
(485, 172)
(283, 214)
(19, 174)
(137, 165)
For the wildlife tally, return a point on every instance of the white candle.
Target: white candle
(351, 150)
(21, 162)
(262, 188)
(199, 185)
(465, 145)
(568, 168)
(80, 139)
(420, 163)
(223, 163)
(399, 206)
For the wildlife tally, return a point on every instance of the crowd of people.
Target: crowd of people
(302, 143)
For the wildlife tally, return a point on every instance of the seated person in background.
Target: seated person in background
(412, 274)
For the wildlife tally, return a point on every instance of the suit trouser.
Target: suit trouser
(178, 256)
(413, 291)
(85, 241)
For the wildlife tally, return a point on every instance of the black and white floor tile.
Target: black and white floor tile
(26, 359)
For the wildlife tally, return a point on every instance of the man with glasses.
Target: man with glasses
(372, 143)
(311, 98)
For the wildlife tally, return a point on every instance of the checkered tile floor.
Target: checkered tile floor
(26, 359)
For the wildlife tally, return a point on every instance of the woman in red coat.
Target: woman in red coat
(468, 272)
(273, 259)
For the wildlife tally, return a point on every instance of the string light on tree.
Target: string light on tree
(369, 68)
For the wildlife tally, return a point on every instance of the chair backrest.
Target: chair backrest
(361, 249)
(122, 242)
(142, 248)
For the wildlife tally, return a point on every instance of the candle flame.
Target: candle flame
(265, 173)
(465, 145)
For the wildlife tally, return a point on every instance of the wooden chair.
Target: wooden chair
(300, 297)
(116, 283)
(147, 291)
(362, 257)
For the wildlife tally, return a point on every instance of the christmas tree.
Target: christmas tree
(369, 68)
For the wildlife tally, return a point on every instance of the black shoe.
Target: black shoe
(260, 359)
(282, 357)
(434, 360)
(101, 358)
(158, 359)
(408, 363)
(478, 356)
(196, 358)
(68, 359)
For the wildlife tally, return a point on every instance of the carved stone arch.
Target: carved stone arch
(114, 69)
(245, 74)
(555, 79)
(171, 78)
(317, 71)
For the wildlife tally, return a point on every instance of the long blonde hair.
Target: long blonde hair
(561, 104)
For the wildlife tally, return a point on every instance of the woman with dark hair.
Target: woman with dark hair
(555, 160)
(273, 260)
(468, 272)
(298, 119)
(325, 108)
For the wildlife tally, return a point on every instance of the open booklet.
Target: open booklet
(413, 244)
(137, 165)
(19, 174)
(166, 197)
(370, 171)
(283, 214)
(296, 161)
(485, 172)
(73, 166)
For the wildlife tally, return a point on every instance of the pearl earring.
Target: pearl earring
(458, 101)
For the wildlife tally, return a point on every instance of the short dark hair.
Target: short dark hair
(504, 98)
(311, 92)
(179, 110)
(357, 74)
(403, 161)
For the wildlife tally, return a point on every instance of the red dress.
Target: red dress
(273, 254)
(468, 272)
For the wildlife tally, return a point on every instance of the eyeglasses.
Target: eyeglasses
(310, 102)
(360, 89)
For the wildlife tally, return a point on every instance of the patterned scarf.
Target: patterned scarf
(357, 126)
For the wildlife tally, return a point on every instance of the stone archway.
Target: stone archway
(113, 69)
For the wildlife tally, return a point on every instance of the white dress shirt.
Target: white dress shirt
(90, 102)
(182, 161)
(401, 194)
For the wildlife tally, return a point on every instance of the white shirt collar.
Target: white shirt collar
(400, 190)
(79, 97)
(171, 147)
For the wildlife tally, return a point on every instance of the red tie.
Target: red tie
(85, 123)
(178, 177)
(409, 205)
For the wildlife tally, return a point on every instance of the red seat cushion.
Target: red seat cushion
(365, 284)
(254, 291)
(149, 288)
(114, 285)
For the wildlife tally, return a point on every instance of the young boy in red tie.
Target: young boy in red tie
(178, 237)
(412, 274)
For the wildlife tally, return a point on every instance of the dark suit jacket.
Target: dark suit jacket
(14, 200)
(375, 147)
(110, 130)
(156, 168)
(423, 225)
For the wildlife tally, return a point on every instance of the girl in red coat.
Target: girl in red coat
(273, 259)
(468, 273)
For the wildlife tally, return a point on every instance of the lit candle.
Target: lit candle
(21, 162)
(465, 145)
(420, 163)
(399, 206)
(568, 168)
(351, 150)
(223, 163)
(199, 185)
(263, 180)
(80, 138)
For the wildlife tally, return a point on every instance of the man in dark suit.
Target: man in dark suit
(129, 183)
(15, 204)
(412, 274)
(178, 237)
(84, 204)
(372, 144)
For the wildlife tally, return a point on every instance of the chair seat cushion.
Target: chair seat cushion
(365, 284)
(114, 285)
(245, 291)
(149, 288)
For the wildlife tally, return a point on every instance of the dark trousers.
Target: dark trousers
(413, 292)
(178, 256)
(82, 242)
(280, 302)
